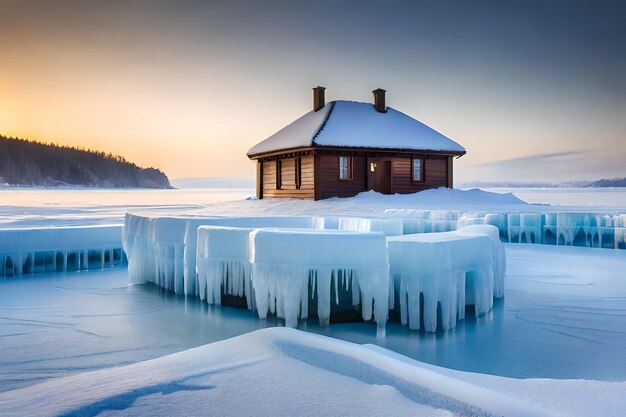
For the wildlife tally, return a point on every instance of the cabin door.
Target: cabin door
(379, 176)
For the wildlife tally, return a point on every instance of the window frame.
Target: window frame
(298, 173)
(348, 168)
(422, 170)
(279, 174)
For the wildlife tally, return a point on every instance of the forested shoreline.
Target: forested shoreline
(30, 163)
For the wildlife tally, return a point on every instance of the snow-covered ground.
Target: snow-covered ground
(288, 372)
(41, 207)
(29, 207)
(562, 316)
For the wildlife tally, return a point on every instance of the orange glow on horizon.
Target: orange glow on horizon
(186, 90)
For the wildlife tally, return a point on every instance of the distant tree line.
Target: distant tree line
(26, 162)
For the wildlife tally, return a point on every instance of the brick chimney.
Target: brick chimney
(379, 100)
(318, 98)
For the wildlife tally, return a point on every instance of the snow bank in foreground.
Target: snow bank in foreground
(287, 372)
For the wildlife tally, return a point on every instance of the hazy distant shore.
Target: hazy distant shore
(602, 183)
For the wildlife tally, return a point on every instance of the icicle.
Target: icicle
(298, 258)
(448, 270)
(324, 277)
(336, 282)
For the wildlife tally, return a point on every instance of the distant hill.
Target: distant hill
(615, 182)
(25, 162)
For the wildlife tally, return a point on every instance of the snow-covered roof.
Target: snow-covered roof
(357, 125)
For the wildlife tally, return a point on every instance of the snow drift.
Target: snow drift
(288, 372)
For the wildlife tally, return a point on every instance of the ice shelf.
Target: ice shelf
(163, 249)
(212, 257)
(223, 263)
(191, 239)
(54, 249)
(174, 238)
(449, 270)
(285, 263)
(555, 228)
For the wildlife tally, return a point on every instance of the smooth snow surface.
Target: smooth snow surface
(355, 124)
(287, 372)
(36, 207)
(60, 207)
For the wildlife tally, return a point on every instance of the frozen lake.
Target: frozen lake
(588, 197)
(27, 207)
(563, 316)
(73, 206)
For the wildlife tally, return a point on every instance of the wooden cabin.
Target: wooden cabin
(342, 148)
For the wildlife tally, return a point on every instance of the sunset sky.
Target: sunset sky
(189, 86)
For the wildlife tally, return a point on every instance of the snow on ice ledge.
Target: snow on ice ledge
(59, 249)
(274, 366)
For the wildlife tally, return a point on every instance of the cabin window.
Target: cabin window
(373, 166)
(279, 174)
(345, 167)
(298, 175)
(417, 170)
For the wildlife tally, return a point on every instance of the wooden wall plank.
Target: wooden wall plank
(288, 178)
(320, 175)
(288, 174)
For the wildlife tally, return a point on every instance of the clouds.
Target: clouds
(550, 168)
